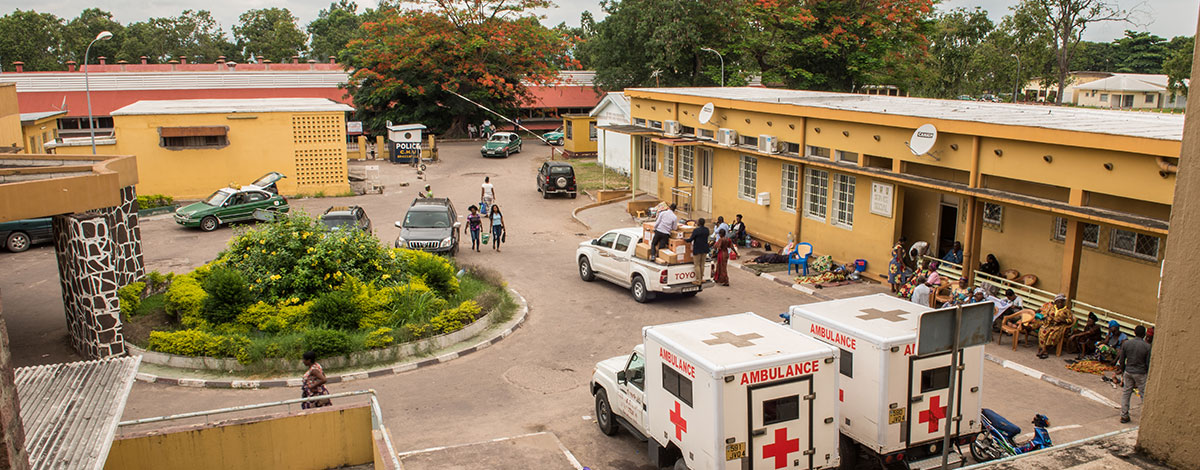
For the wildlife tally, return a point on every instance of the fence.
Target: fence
(1033, 297)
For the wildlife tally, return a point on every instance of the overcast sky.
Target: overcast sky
(1165, 18)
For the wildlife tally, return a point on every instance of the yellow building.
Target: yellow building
(1080, 198)
(38, 129)
(579, 135)
(189, 148)
(10, 119)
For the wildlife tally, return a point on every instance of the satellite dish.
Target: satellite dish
(705, 113)
(923, 139)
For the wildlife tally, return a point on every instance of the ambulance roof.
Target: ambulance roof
(882, 319)
(734, 343)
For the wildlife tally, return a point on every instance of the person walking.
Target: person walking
(487, 128)
(1133, 362)
(313, 383)
(497, 227)
(474, 224)
(699, 241)
(665, 222)
(723, 248)
(487, 192)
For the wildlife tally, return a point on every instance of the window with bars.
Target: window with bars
(592, 131)
(1134, 244)
(791, 147)
(706, 134)
(669, 161)
(649, 155)
(818, 152)
(847, 157)
(816, 192)
(687, 164)
(750, 141)
(843, 201)
(748, 180)
(687, 130)
(639, 122)
(1091, 232)
(656, 125)
(993, 214)
(790, 183)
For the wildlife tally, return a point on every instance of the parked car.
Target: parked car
(267, 182)
(555, 137)
(989, 97)
(19, 235)
(431, 224)
(612, 257)
(501, 144)
(228, 205)
(556, 178)
(337, 217)
(966, 97)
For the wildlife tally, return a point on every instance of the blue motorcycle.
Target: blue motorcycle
(996, 440)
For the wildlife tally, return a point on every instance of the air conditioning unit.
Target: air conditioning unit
(768, 144)
(764, 199)
(727, 137)
(671, 128)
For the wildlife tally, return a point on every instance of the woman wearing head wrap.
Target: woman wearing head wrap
(896, 266)
(1055, 327)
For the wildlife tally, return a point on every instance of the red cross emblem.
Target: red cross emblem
(780, 449)
(679, 422)
(934, 414)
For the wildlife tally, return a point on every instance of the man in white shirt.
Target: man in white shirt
(920, 294)
(1005, 306)
(487, 192)
(664, 223)
(719, 226)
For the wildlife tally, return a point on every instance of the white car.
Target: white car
(611, 257)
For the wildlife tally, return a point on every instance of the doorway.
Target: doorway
(704, 189)
(947, 229)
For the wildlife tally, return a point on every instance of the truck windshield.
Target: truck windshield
(426, 219)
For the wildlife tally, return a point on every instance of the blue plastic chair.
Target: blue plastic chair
(794, 258)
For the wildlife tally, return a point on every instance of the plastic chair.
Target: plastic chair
(794, 258)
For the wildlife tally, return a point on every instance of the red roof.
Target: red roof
(564, 97)
(105, 102)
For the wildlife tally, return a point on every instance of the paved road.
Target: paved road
(531, 382)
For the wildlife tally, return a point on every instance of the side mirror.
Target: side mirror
(399, 224)
(595, 241)
(621, 377)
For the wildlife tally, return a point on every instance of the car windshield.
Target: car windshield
(426, 219)
(265, 180)
(560, 170)
(498, 138)
(217, 198)
(332, 221)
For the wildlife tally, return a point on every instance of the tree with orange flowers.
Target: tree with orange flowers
(411, 54)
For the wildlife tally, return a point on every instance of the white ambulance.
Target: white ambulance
(893, 401)
(731, 392)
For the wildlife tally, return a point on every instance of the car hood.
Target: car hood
(194, 208)
(494, 145)
(437, 234)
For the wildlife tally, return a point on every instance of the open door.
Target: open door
(780, 425)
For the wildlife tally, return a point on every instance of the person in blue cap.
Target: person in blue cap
(1108, 348)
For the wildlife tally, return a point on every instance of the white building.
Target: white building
(613, 149)
(1129, 91)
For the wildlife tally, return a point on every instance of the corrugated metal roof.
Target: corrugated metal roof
(1132, 82)
(30, 118)
(1099, 121)
(117, 81)
(70, 411)
(252, 105)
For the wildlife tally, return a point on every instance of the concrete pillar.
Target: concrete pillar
(381, 148)
(87, 272)
(1072, 250)
(973, 239)
(12, 433)
(1171, 409)
(362, 147)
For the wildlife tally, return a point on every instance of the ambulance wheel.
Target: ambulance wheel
(639, 291)
(604, 415)
(848, 450)
(585, 270)
(680, 464)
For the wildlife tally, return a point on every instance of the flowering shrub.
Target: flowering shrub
(380, 338)
(451, 320)
(276, 318)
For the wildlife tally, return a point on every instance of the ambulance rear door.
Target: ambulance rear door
(929, 394)
(781, 424)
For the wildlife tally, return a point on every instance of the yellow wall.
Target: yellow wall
(771, 222)
(309, 148)
(36, 135)
(312, 440)
(871, 237)
(579, 140)
(10, 117)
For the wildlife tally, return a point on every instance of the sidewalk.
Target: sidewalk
(1056, 366)
(1112, 452)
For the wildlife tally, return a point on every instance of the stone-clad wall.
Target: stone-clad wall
(13, 455)
(98, 253)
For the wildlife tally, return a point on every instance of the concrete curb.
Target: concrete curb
(1057, 382)
(575, 213)
(504, 332)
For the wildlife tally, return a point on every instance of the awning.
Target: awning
(195, 131)
(70, 411)
(628, 129)
(675, 142)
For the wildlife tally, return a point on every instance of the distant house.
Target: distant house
(1129, 91)
(613, 148)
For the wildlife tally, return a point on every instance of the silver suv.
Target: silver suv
(431, 224)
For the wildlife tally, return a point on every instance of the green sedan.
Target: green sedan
(501, 144)
(229, 205)
(554, 137)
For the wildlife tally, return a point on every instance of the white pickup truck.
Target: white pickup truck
(611, 257)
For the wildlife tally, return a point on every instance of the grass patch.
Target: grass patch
(589, 177)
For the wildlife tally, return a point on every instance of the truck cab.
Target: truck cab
(626, 377)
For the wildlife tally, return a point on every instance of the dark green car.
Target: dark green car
(19, 235)
(554, 137)
(501, 144)
(229, 205)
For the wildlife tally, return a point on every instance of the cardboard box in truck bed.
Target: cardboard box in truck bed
(893, 401)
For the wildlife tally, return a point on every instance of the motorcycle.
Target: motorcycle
(996, 441)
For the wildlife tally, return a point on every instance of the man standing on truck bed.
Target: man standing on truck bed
(664, 223)
(699, 241)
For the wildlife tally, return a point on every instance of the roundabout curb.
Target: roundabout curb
(504, 332)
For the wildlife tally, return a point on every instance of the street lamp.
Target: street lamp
(87, 90)
(719, 56)
(1017, 82)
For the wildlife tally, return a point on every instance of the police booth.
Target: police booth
(404, 142)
